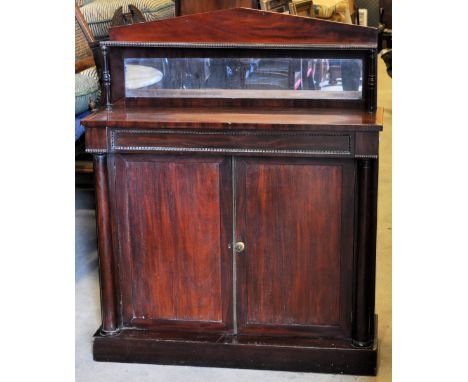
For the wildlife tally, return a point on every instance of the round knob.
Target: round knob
(239, 247)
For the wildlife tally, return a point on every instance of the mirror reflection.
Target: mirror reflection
(305, 78)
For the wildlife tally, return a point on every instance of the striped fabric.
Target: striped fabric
(99, 13)
(90, 72)
(80, 3)
(86, 87)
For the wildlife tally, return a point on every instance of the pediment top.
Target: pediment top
(244, 26)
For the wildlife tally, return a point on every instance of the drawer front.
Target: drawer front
(232, 142)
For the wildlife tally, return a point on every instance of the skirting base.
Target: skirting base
(247, 352)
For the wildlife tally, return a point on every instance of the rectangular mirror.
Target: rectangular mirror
(294, 78)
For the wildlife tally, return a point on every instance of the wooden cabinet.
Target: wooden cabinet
(237, 210)
(180, 215)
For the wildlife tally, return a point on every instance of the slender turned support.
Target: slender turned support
(108, 306)
(372, 82)
(363, 322)
(106, 78)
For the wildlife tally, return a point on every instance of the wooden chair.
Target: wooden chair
(86, 46)
(301, 8)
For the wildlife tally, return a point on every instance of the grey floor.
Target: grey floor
(87, 315)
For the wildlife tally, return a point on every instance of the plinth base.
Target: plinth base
(248, 352)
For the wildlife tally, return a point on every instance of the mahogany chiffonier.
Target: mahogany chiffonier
(235, 159)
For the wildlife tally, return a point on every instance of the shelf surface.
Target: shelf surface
(236, 118)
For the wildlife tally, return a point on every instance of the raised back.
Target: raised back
(243, 57)
(247, 26)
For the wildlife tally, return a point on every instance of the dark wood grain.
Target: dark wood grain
(96, 138)
(263, 104)
(291, 276)
(267, 34)
(183, 181)
(292, 281)
(105, 251)
(242, 25)
(294, 143)
(175, 245)
(251, 352)
(367, 145)
(363, 330)
(234, 118)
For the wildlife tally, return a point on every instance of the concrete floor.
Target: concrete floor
(87, 315)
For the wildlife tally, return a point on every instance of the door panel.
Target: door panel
(295, 220)
(174, 219)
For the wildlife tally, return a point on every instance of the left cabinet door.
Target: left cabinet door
(172, 229)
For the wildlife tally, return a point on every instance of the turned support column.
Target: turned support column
(106, 77)
(371, 101)
(364, 301)
(106, 278)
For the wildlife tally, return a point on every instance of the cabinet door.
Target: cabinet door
(295, 217)
(173, 226)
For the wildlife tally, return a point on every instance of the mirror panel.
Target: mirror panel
(293, 78)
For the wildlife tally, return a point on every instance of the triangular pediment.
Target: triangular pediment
(247, 26)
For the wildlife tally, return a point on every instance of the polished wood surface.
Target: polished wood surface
(187, 7)
(244, 26)
(304, 143)
(105, 250)
(240, 233)
(236, 118)
(247, 33)
(291, 280)
(173, 269)
(363, 331)
(319, 355)
(322, 131)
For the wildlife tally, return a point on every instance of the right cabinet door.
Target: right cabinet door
(295, 217)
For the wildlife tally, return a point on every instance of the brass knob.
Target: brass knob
(239, 247)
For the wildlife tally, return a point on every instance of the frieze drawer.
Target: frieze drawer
(231, 142)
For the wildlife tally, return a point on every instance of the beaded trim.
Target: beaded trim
(229, 150)
(114, 133)
(96, 151)
(145, 44)
(362, 156)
